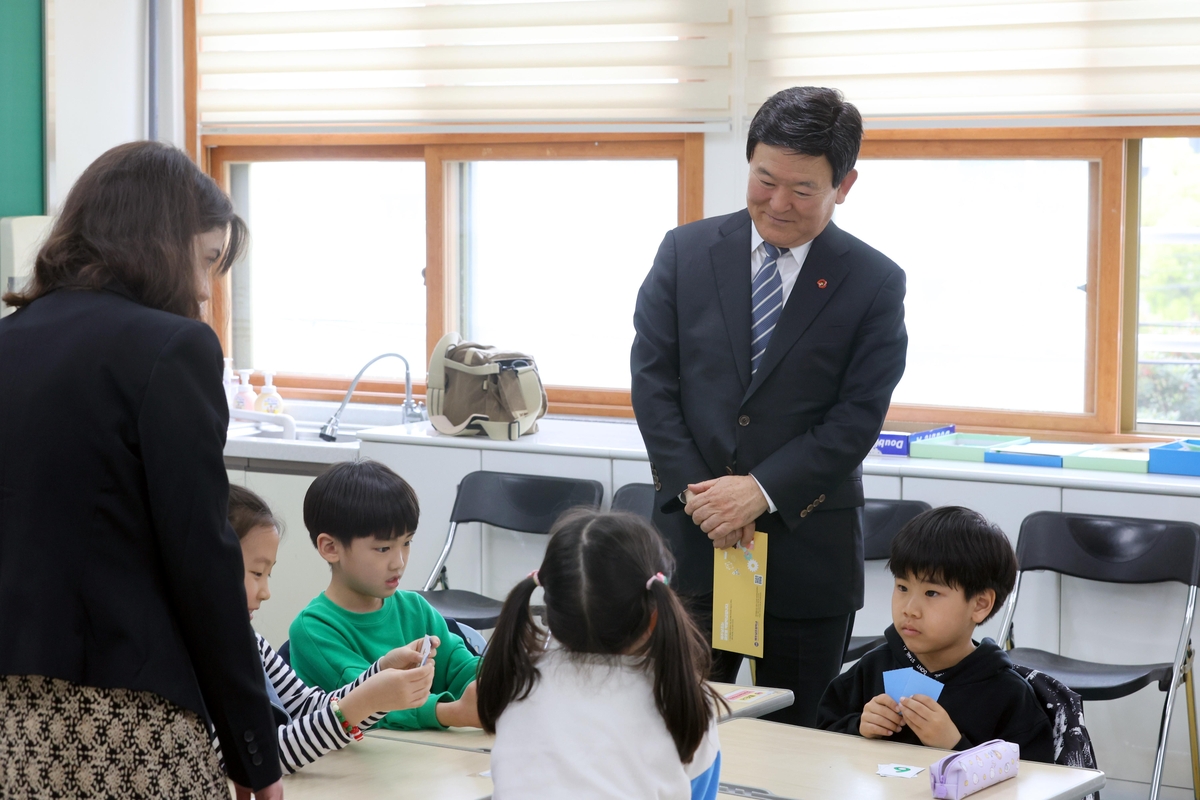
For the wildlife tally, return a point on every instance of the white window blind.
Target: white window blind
(322, 61)
(969, 57)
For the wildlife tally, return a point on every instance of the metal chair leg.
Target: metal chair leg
(1177, 670)
(1190, 698)
(431, 582)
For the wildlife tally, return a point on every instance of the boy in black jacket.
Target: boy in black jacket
(953, 570)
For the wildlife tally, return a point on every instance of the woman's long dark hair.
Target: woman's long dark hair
(594, 575)
(133, 216)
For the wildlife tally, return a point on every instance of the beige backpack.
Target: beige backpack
(474, 388)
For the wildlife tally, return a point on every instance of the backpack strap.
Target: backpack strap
(435, 383)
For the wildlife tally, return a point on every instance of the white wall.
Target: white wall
(725, 171)
(96, 82)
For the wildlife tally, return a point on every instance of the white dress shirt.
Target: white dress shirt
(789, 265)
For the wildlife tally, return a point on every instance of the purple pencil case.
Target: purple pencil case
(965, 773)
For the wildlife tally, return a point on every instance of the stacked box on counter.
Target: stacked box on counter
(896, 437)
(962, 446)
(1035, 454)
(1132, 457)
(1176, 458)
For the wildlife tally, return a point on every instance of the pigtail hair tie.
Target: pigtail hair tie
(658, 576)
(534, 575)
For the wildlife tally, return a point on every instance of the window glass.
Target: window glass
(553, 255)
(334, 274)
(996, 255)
(1168, 382)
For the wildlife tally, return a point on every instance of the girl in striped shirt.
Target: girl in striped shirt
(308, 718)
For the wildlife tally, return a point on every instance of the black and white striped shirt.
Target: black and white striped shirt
(314, 729)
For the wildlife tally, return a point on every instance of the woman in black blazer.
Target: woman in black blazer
(123, 621)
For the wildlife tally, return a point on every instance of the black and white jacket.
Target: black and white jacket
(314, 729)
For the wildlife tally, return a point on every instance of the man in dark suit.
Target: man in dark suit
(768, 345)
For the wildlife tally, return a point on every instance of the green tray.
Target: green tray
(962, 446)
(1131, 463)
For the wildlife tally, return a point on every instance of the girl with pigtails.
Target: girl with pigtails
(611, 700)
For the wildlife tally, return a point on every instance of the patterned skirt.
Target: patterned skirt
(62, 740)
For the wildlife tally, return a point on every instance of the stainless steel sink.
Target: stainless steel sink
(308, 432)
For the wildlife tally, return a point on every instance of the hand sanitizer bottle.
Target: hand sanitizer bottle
(229, 382)
(269, 402)
(245, 397)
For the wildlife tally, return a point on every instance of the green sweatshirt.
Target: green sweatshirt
(332, 646)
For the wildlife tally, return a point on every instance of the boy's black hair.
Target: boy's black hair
(811, 121)
(359, 499)
(956, 547)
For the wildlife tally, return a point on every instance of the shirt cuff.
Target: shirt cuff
(770, 503)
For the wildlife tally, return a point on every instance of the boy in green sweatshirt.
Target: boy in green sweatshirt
(361, 517)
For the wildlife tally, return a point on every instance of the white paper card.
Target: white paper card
(899, 771)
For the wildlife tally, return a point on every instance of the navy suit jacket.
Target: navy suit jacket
(802, 424)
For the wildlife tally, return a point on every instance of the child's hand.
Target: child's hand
(930, 722)
(388, 690)
(461, 713)
(409, 656)
(404, 688)
(880, 718)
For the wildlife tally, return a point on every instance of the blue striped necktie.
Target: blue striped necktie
(766, 304)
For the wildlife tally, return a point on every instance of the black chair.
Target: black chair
(636, 498)
(882, 520)
(285, 652)
(1113, 550)
(526, 503)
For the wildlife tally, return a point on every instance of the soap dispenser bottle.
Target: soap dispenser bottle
(269, 401)
(245, 397)
(229, 382)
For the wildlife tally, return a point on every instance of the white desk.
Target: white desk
(374, 769)
(761, 700)
(805, 764)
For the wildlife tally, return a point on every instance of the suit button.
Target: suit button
(821, 499)
(729, 470)
(249, 736)
(657, 486)
(804, 513)
(256, 761)
(743, 420)
(253, 748)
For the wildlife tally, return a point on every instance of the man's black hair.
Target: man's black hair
(358, 499)
(956, 547)
(811, 121)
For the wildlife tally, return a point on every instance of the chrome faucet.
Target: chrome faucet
(409, 412)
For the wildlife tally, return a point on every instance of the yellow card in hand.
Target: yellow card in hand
(740, 597)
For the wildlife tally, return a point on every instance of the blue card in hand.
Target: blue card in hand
(895, 681)
(923, 684)
(906, 682)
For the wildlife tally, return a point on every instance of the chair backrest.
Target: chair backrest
(882, 520)
(637, 498)
(285, 652)
(527, 503)
(1111, 549)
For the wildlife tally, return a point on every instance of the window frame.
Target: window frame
(441, 152)
(1105, 227)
